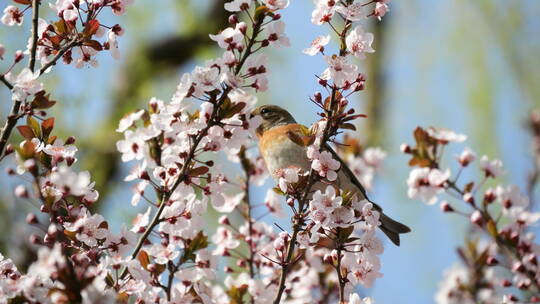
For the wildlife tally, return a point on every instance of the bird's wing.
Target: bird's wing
(347, 171)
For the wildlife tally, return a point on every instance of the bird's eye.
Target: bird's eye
(265, 111)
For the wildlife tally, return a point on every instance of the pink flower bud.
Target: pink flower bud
(31, 219)
(445, 207)
(317, 97)
(243, 28)
(19, 55)
(228, 269)
(276, 17)
(491, 261)
(489, 196)
(405, 148)
(223, 220)
(518, 267)
(233, 19)
(476, 218)
(9, 149)
(469, 198)
(20, 191)
(241, 263)
(506, 283)
(70, 140)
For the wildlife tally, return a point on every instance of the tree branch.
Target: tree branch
(35, 18)
(13, 116)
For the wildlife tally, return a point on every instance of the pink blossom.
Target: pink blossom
(12, 16)
(325, 165)
(276, 4)
(339, 70)
(323, 12)
(230, 38)
(381, 8)
(492, 168)
(238, 5)
(25, 84)
(352, 12)
(426, 184)
(466, 157)
(276, 34)
(317, 45)
(359, 42)
(88, 228)
(446, 135)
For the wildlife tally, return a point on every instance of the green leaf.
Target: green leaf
(30, 121)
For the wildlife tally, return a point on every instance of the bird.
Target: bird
(279, 152)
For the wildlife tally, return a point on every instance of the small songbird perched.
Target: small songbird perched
(280, 152)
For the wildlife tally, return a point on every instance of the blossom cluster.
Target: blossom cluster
(502, 258)
(168, 254)
(78, 24)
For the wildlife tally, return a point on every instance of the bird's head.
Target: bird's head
(272, 116)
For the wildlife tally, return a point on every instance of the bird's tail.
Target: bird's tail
(392, 228)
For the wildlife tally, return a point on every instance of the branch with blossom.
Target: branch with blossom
(73, 37)
(501, 256)
(169, 257)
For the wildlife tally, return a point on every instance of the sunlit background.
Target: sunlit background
(472, 66)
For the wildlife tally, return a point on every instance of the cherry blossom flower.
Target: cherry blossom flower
(359, 42)
(352, 12)
(326, 202)
(88, 228)
(224, 240)
(276, 4)
(230, 38)
(59, 150)
(381, 8)
(445, 135)
(317, 45)
(25, 84)
(12, 16)
(466, 157)
(71, 182)
(492, 168)
(276, 34)
(287, 176)
(141, 221)
(323, 163)
(128, 120)
(272, 201)
(355, 299)
(426, 184)
(339, 70)
(238, 5)
(323, 12)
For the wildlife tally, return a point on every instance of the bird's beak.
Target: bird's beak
(255, 112)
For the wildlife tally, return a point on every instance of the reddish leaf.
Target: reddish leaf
(199, 171)
(47, 126)
(26, 132)
(143, 258)
(94, 44)
(91, 27)
(24, 2)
